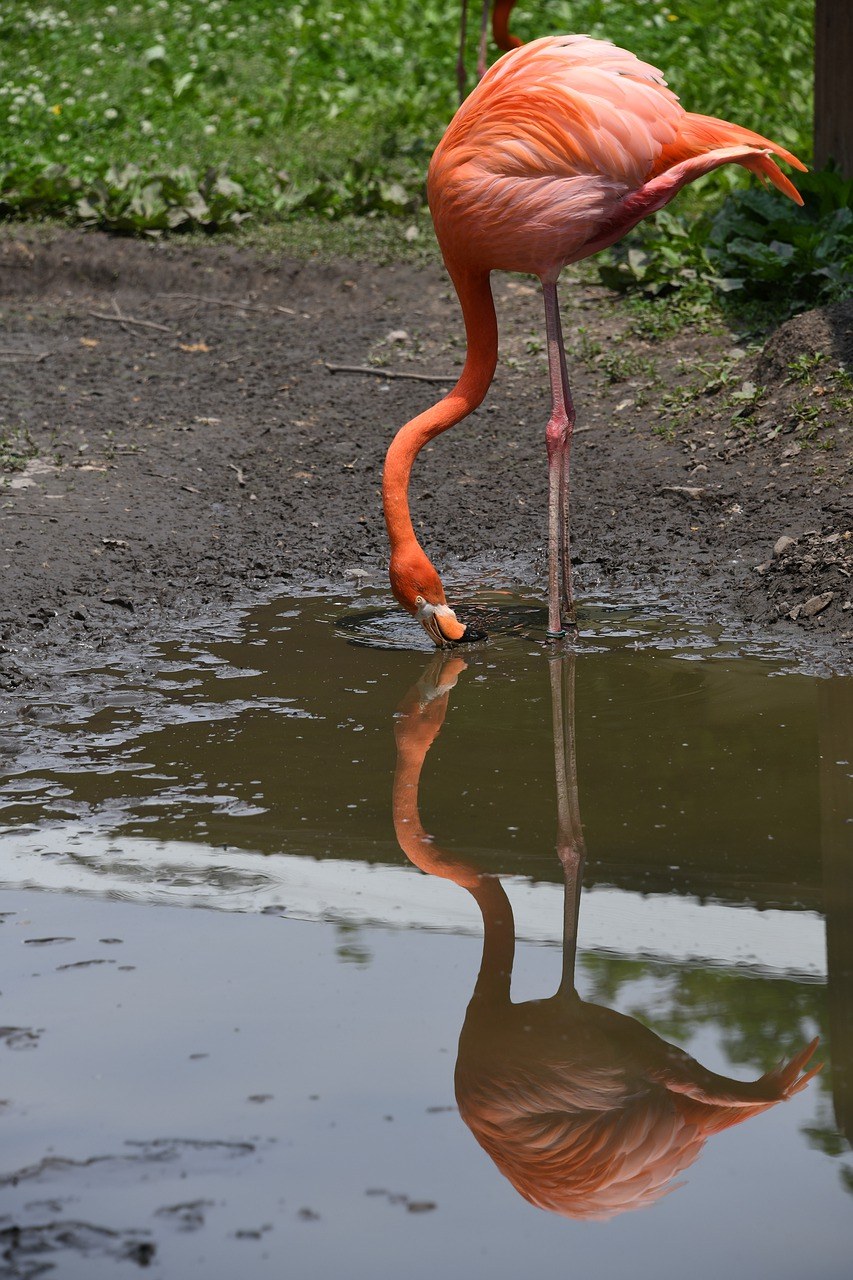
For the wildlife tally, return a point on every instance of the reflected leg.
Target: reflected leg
(571, 849)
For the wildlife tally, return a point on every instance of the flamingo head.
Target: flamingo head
(417, 587)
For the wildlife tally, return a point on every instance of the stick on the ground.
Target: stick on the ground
(121, 319)
(35, 356)
(391, 373)
(225, 302)
(119, 316)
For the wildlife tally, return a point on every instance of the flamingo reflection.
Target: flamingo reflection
(587, 1112)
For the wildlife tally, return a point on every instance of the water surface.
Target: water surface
(276, 1079)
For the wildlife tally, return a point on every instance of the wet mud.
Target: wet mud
(184, 447)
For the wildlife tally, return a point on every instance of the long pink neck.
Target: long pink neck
(481, 332)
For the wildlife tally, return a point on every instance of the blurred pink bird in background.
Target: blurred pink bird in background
(501, 9)
(565, 144)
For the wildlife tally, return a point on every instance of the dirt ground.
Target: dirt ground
(173, 442)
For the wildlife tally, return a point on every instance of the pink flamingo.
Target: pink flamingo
(503, 37)
(565, 144)
(586, 1111)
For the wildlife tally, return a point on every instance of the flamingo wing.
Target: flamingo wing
(542, 155)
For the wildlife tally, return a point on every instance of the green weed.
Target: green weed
(326, 108)
(586, 349)
(16, 448)
(617, 367)
(804, 365)
(759, 247)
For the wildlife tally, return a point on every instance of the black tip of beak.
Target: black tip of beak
(470, 635)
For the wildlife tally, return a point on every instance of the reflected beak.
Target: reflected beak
(442, 625)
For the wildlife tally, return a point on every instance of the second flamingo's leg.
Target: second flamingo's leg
(484, 40)
(557, 439)
(460, 61)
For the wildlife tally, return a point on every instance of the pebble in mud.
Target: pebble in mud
(784, 544)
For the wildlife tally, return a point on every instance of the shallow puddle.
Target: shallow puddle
(399, 1039)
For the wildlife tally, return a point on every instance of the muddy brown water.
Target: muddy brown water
(394, 1036)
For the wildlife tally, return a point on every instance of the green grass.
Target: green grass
(331, 109)
(16, 448)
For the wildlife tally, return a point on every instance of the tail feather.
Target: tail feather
(698, 135)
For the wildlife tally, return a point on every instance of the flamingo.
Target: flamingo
(503, 37)
(563, 147)
(586, 1111)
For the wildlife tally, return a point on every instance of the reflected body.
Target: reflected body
(585, 1110)
(563, 147)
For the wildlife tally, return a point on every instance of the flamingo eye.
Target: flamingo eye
(419, 600)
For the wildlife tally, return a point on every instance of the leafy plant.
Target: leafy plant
(348, 100)
(130, 201)
(772, 246)
(353, 189)
(36, 188)
(664, 254)
(16, 448)
(758, 245)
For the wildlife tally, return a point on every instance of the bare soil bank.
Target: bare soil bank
(191, 448)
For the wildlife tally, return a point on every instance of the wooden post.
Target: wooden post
(833, 81)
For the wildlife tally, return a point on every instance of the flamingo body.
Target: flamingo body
(565, 144)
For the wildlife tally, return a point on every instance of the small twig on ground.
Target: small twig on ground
(225, 302)
(391, 373)
(35, 356)
(241, 479)
(691, 491)
(123, 320)
(119, 316)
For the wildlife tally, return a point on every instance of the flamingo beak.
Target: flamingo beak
(442, 625)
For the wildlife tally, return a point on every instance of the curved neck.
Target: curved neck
(481, 333)
(500, 25)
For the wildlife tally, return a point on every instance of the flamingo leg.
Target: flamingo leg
(484, 40)
(460, 61)
(557, 439)
(565, 548)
